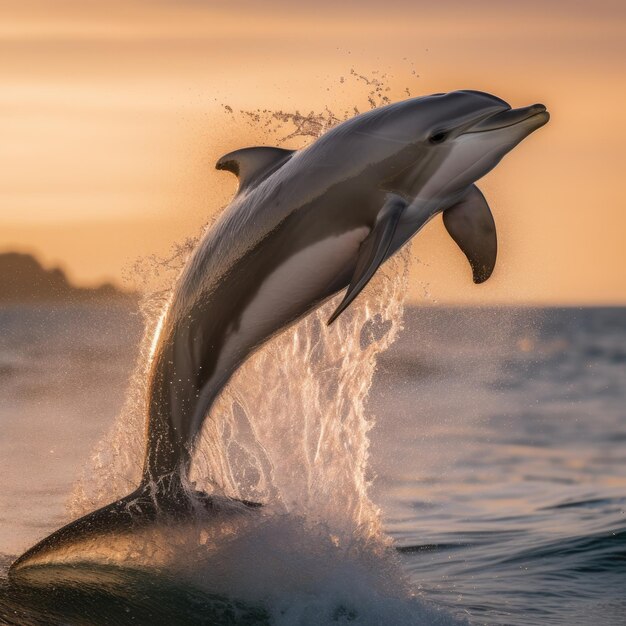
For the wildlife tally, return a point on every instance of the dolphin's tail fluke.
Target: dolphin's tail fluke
(167, 503)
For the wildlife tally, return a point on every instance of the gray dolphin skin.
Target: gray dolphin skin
(303, 226)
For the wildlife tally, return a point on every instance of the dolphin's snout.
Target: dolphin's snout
(511, 117)
(539, 115)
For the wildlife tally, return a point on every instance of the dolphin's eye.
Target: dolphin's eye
(438, 137)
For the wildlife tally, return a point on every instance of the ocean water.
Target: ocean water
(497, 458)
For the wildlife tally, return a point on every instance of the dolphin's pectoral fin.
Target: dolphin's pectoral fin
(252, 165)
(373, 250)
(471, 225)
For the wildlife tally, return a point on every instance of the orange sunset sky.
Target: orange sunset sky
(112, 118)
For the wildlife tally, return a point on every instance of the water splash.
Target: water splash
(114, 468)
(371, 91)
(299, 402)
(291, 427)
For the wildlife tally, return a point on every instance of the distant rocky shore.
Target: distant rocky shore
(24, 280)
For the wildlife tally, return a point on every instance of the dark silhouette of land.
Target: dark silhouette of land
(23, 280)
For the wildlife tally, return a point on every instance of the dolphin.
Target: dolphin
(303, 225)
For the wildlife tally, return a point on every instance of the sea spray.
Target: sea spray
(291, 426)
(289, 430)
(114, 468)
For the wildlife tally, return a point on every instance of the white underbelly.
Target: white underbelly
(302, 279)
(287, 292)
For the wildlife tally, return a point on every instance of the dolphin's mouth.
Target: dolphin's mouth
(511, 117)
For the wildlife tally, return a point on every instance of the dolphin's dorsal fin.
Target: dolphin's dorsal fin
(471, 225)
(252, 165)
(373, 250)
